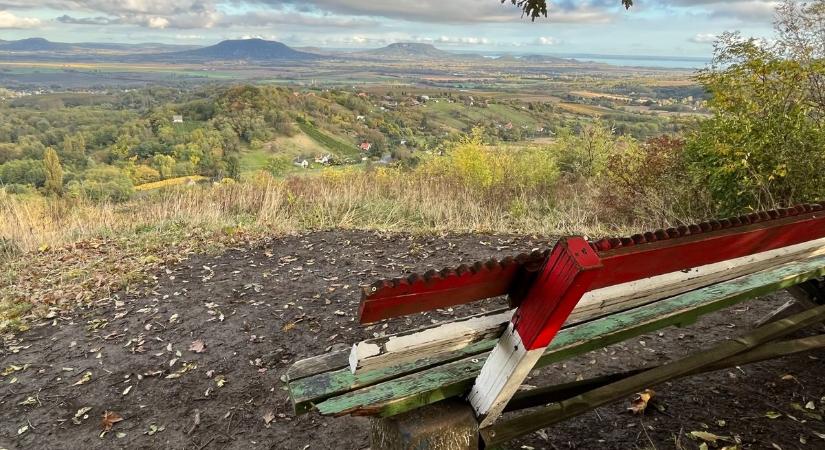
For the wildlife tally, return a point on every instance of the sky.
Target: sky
(650, 27)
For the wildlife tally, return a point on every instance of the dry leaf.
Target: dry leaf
(81, 414)
(110, 418)
(772, 415)
(710, 437)
(639, 404)
(268, 418)
(197, 346)
(84, 379)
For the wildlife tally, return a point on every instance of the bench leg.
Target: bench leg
(446, 425)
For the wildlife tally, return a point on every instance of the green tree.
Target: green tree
(54, 172)
(763, 146)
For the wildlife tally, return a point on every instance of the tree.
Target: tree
(763, 146)
(54, 172)
(537, 8)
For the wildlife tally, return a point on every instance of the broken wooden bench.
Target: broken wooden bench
(445, 386)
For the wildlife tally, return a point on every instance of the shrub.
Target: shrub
(106, 183)
(23, 171)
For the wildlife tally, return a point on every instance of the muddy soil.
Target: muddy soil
(194, 360)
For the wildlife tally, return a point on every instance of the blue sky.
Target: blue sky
(652, 27)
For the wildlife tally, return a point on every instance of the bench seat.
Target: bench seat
(325, 383)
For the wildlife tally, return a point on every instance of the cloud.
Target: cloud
(546, 40)
(703, 38)
(9, 20)
(451, 11)
(743, 10)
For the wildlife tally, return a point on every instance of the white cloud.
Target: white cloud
(157, 22)
(703, 38)
(546, 40)
(9, 20)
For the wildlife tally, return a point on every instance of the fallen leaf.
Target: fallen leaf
(22, 429)
(174, 318)
(197, 346)
(268, 418)
(84, 379)
(710, 437)
(126, 391)
(639, 404)
(110, 418)
(220, 380)
(28, 401)
(81, 414)
(154, 429)
(773, 415)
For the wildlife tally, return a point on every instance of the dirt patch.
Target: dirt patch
(258, 310)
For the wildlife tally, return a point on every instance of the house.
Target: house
(365, 146)
(302, 163)
(360, 118)
(424, 98)
(325, 160)
(177, 118)
(509, 126)
(363, 94)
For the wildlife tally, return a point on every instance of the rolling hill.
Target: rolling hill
(407, 50)
(34, 45)
(244, 49)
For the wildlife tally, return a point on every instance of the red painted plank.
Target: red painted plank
(625, 259)
(568, 274)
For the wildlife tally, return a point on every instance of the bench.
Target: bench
(447, 385)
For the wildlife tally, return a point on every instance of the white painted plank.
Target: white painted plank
(432, 342)
(504, 371)
(445, 338)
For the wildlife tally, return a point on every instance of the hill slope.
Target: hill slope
(408, 50)
(33, 45)
(250, 49)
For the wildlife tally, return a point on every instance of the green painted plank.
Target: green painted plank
(415, 390)
(307, 391)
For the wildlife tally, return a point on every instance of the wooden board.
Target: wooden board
(594, 304)
(431, 342)
(455, 378)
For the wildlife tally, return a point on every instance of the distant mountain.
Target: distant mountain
(545, 59)
(249, 49)
(407, 50)
(33, 45)
(46, 48)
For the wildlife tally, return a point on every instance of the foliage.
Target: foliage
(23, 171)
(54, 173)
(586, 154)
(106, 184)
(537, 8)
(763, 146)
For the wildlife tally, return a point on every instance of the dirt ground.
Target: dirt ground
(195, 360)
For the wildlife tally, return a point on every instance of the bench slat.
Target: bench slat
(455, 378)
(411, 345)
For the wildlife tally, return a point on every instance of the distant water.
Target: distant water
(644, 61)
(666, 62)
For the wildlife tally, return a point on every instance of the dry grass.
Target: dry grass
(59, 253)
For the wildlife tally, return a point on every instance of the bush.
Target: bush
(106, 184)
(143, 174)
(23, 171)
